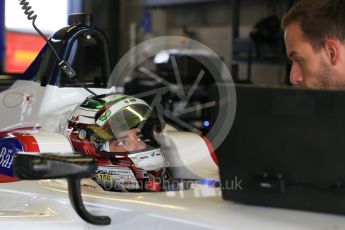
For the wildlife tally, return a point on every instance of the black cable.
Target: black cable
(46, 39)
(32, 17)
(64, 65)
(84, 86)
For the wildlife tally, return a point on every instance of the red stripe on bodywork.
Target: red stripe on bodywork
(6, 179)
(3, 134)
(28, 141)
(210, 149)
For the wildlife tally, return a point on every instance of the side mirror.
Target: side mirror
(52, 166)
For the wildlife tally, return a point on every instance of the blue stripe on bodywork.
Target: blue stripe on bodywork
(8, 148)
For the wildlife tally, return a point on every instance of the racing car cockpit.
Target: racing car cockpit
(67, 87)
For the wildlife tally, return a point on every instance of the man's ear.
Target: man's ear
(333, 48)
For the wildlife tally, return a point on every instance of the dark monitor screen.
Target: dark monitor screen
(287, 149)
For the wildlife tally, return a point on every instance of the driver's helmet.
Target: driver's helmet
(119, 131)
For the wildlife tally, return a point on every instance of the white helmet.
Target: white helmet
(119, 131)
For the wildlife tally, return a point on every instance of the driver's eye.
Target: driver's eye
(140, 138)
(119, 143)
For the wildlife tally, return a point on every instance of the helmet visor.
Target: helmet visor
(132, 116)
(132, 128)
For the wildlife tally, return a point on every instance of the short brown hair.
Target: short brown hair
(319, 20)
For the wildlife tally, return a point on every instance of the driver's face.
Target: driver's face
(127, 141)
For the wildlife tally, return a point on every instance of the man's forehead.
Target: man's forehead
(292, 33)
(295, 40)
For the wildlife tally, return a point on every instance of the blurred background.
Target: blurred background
(245, 34)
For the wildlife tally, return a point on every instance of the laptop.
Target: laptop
(286, 149)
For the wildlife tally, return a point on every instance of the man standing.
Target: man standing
(314, 33)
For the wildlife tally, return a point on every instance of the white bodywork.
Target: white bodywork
(44, 204)
(28, 104)
(188, 155)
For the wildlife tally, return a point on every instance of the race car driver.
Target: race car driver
(119, 131)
